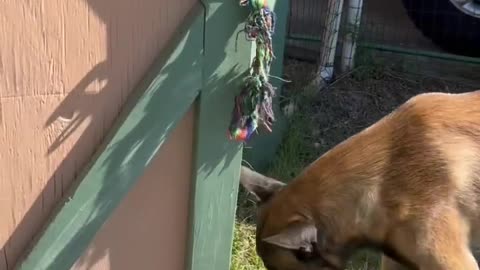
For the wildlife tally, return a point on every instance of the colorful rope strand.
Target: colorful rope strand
(253, 106)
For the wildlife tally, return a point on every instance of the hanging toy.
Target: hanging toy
(253, 106)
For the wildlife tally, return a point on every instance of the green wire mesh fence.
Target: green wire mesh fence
(432, 37)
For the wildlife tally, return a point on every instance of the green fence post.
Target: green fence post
(215, 187)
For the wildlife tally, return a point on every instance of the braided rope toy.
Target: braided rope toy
(253, 106)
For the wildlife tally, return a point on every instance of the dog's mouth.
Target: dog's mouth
(332, 263)
(320, 260)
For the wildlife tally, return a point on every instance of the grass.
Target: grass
(290, 159)
(349, 105)
(244, 256)
(317, 124)
(296, 151)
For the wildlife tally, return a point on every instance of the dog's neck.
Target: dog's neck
(352, 171)
(363, 218)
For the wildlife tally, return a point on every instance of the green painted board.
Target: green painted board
(217, 158)
(261, 149)
(163, 97)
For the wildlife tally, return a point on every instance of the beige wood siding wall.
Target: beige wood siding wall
(66, 68)
(148, 231)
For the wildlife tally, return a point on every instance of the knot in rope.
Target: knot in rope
(253, 106)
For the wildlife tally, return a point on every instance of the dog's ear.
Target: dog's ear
(296, 236)
(260, 186)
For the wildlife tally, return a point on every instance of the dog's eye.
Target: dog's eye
(303, 254)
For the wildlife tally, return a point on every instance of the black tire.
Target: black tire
(447, 26)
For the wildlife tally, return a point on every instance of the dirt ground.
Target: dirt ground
(320, 121)
(358, 99)
(352, 103)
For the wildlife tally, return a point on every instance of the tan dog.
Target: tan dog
(409, 185)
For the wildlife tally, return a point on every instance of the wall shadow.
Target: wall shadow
(126, 62)
(221, 153)
(99, 108)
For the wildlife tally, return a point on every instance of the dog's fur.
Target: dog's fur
(408, 185)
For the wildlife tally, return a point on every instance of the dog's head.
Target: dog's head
(287, 238)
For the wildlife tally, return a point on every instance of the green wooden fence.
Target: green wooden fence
(204, 63)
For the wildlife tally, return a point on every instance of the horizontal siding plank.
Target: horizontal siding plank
(160, 101)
